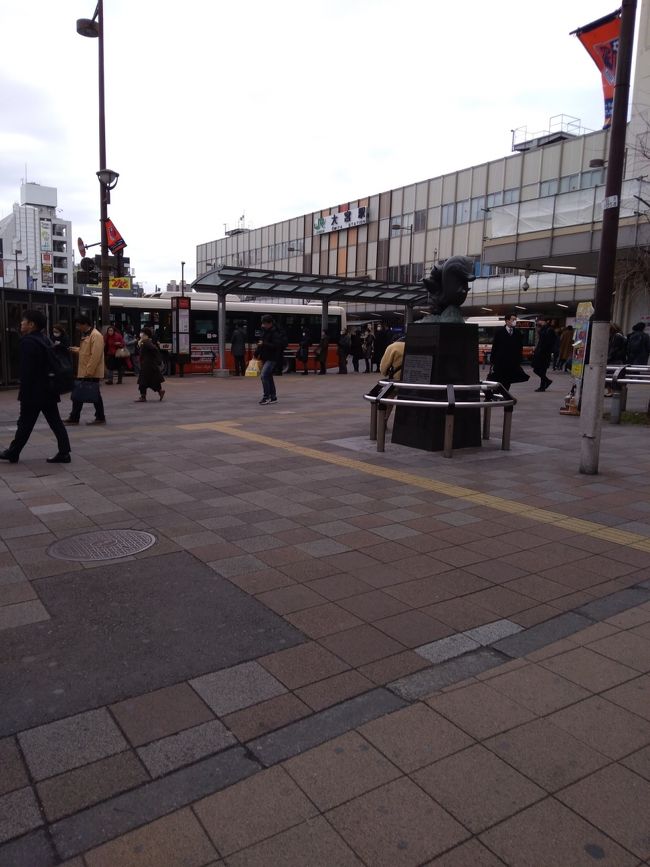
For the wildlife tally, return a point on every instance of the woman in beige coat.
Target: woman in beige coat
(91, 368)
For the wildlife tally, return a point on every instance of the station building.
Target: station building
(531, 222)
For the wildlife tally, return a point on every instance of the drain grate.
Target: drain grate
(101, 545)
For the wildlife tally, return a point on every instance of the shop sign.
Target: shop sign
(341, 220)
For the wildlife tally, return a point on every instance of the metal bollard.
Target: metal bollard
(381, 428)
(373, 421)
(448, 444)
(507, 427)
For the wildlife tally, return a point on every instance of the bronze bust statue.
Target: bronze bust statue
(447, 287)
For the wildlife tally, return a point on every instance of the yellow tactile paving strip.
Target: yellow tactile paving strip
(544, 516)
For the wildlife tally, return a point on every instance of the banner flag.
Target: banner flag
(115, 241)
(601, 38)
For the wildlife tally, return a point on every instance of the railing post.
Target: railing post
(373, 421)
(507, 427)
(381, 428)
(448, 444)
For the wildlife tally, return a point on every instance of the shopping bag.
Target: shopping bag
(85, 391)
(254, 367)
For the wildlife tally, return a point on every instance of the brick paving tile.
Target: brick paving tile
(592, 633)
(24, 613)
(550, 834)
(459, 614)
(339, 770)
(295, 597)
(251, 722)
(306, 663)
(502, 601)
(185, 747)
(588, 669)
(616, 801)
(14, 773)
(536, 587)
(393, 667)
(233, 688)
(479, 710)
(69, 743)
(250, 811)
(339, 587)
(471, 853)
(10, 594)
(177, 840)
(413, 628)
(630, 618)
(334, 689)
(605, 726)
(497, 571)
(360, 645)
(477, 787)
(397, 825)
(70, 792)
(264, 579)
(373, 605)
(278, 556)
(323, 620)
(546, 753)
(308, 570)
(162, 712)
(534, 616)
(312, 844)
(415, 736)
(536, 688)
(633, 696)
(18, 813)
(639, 762)
(423, 591)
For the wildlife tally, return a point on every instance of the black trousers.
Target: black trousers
(240, 365)
(77, 406)
(29, 414)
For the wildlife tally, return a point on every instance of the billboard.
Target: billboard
(601, 39)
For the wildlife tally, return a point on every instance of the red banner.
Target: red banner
(601, 38)
(115, 241)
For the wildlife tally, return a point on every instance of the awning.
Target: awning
(310, 287)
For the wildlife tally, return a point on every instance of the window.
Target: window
(417, 272)
(548, 188)
(591, 179)
(510, 197)
(569, 183)
(477, 211)
(447, 215)
(462, 211)
(494, 200)
(393, 274)
(420, 222)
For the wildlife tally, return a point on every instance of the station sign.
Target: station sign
(341, 220)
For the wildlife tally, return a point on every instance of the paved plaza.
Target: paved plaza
(326, 655)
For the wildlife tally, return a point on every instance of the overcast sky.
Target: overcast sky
(272, 110)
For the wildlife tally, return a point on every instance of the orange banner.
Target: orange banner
(115, 241)
(601, 38)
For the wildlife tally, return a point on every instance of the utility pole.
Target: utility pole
(591, 411)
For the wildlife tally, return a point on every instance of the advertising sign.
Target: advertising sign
(47, 270)
(341, 220)
(115, 241)
(181, 307)
(46, 236)
(119, 285)
(601, 39)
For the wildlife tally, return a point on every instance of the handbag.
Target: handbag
(122, 352)
(85, 391)
(254, 367)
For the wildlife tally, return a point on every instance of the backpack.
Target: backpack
(60, 373)
(634, 344)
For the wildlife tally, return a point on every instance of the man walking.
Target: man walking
(238, 350)
(543, 351)
(36, 394)
(269, 350)
(507, 350)
(91, 368)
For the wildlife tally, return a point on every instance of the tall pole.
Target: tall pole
(104, 194)
(410, 275)
(591, 412)
(183, 278)
(17, 252)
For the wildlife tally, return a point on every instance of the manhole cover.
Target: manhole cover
(102, 545)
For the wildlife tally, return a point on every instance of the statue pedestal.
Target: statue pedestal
(439, 353)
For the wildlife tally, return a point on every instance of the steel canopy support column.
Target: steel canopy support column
(325, 315)
(223, 370)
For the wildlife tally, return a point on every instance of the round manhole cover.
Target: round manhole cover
(101, 545)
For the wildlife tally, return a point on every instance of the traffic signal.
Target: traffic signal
(87, 272)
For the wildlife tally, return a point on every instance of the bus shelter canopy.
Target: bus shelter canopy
(307, 287)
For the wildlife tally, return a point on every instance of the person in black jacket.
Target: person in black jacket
(36, 394)
(638, 345)
(543, 352)
(238, 349)
(269, 350)
(507, 349)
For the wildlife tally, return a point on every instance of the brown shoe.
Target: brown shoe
(140, 400)
(97, 421)
(70, 421)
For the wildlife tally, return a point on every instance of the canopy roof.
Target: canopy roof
(311, 287)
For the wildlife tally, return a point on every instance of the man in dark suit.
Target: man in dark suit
(36, 394)
(543, 352)
(507, 349)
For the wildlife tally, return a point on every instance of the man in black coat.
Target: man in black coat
(269, 350)
(507, 350)
(543, 352)
(36, 394)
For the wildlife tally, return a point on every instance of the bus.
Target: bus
(487, 325)
(136, 313)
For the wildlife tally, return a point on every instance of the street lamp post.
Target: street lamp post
(94, 29)
(183, 279)
(397, 227)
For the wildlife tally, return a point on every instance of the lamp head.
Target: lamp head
(88, 27)
(108, 178)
